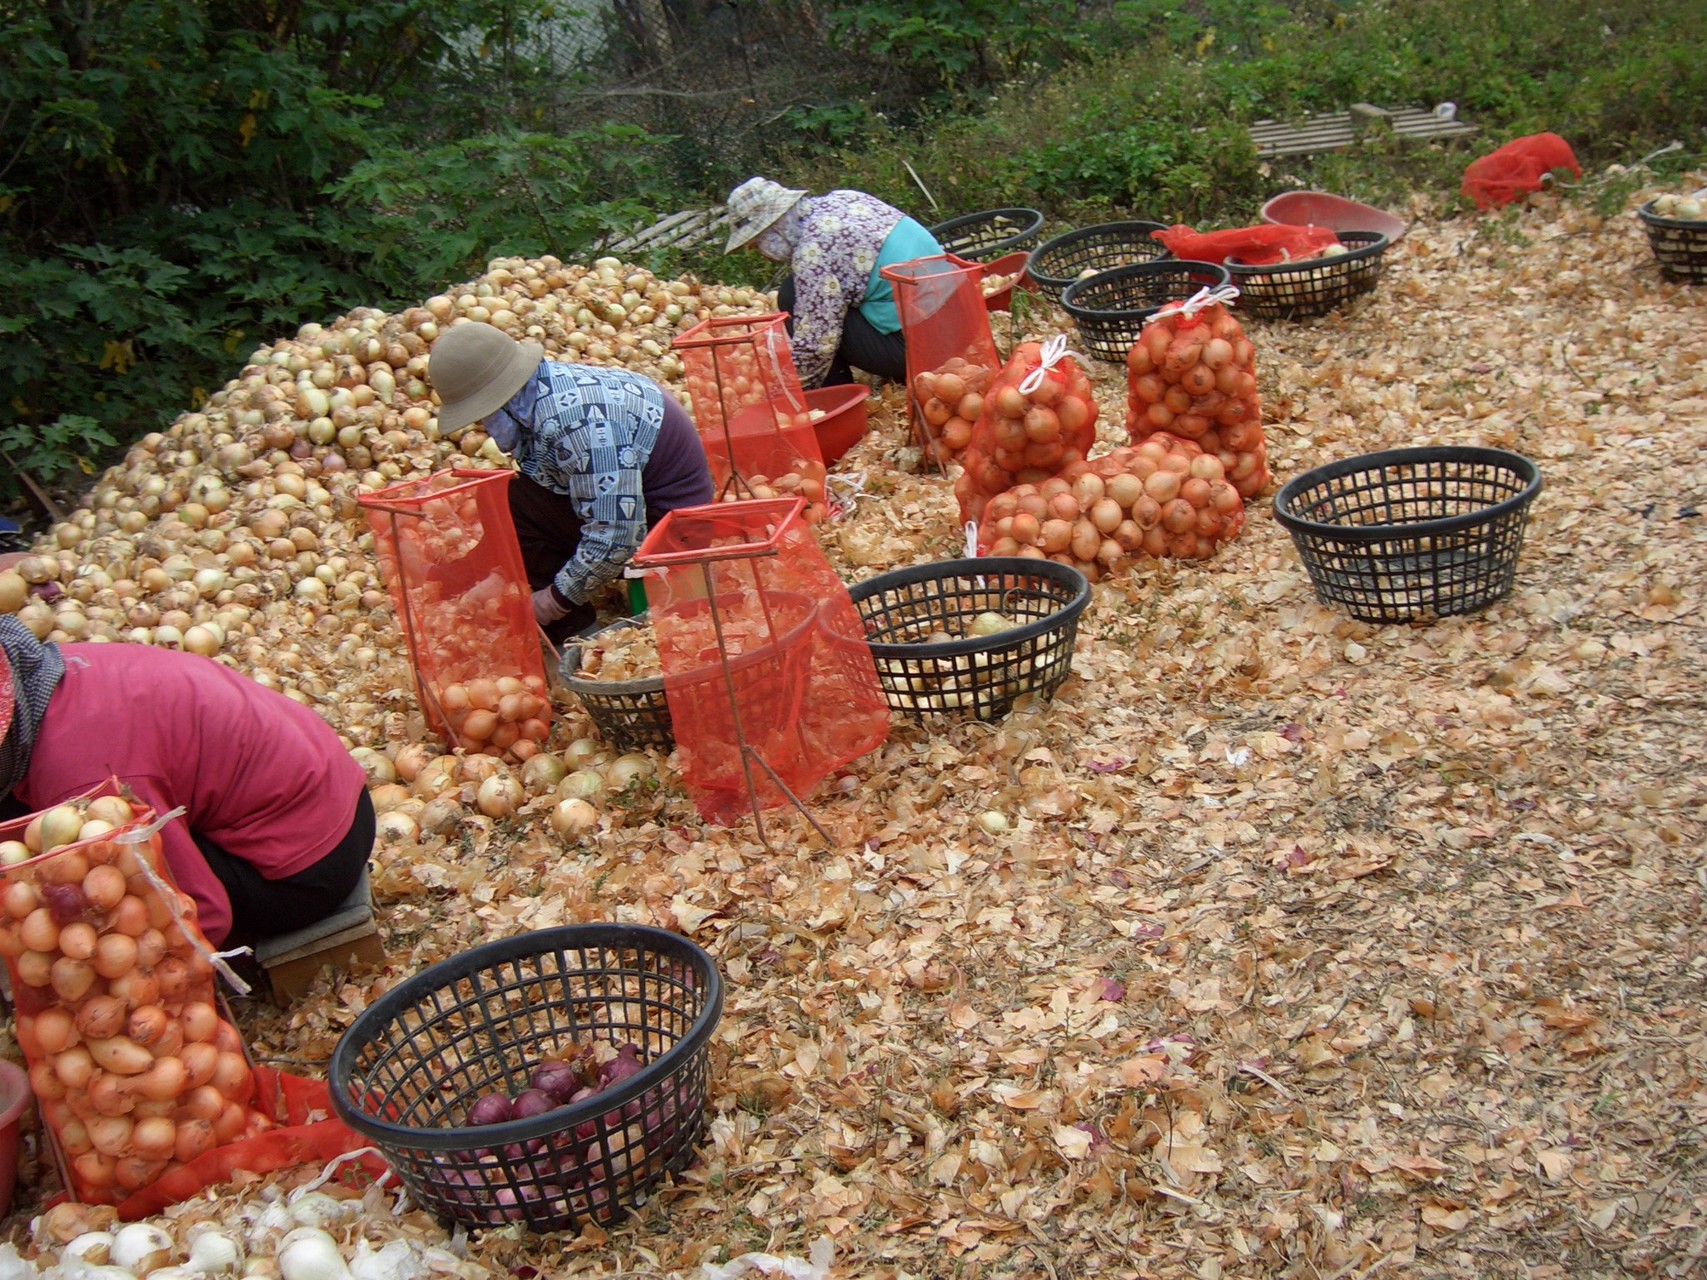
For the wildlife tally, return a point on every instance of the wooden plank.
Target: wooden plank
(1334, 131)
(679, 230)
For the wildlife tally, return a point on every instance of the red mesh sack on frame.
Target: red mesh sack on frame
(753, 418)
(760, 643)
(135, 1068)
(1192, 373)
(448, 552)
(1518, 168)
(1258, 246)
(951, 353)
(1038, 417)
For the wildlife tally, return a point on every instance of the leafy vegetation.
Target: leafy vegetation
(181, 180)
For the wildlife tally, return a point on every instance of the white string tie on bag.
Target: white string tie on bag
(1054, 351)
(170, 896)
(1225, 294)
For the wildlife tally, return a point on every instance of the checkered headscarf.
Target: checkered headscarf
(34, 669)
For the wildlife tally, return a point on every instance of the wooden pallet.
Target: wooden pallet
(686, 230)
(1340, 129)
(348, 936)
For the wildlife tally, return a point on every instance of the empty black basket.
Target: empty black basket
(1057, 263)
(1411, 533)
(414, 1061)
(982, 237)
(1112, 307)
(981, 676)
(1314, 286)
(1679, 244)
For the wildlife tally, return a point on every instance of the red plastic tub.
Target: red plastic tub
(15, 1095)
(1012, 264)
(1320, 209)
(844, 421)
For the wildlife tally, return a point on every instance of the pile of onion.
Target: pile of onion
(1194, 376)
(572, 1169)
(1162, 498)
(133, 1066)
(805, 480)
(950, 399)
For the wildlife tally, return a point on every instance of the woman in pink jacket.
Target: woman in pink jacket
(277, 824)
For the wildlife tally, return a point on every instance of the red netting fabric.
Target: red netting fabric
(761, 645)
(747, 402)
(1517, 169)
(136, 1069)
(1192, 373)
(1258, 246)
(951, 353)
(448, 552)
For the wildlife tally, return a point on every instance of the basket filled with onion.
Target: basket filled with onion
(1677, 233)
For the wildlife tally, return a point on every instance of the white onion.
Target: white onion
(573, 818)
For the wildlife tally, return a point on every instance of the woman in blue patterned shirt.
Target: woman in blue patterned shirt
(602, 454)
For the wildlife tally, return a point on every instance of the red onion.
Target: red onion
(66, 901)
(557, 1079)
(625, 1066)
(490, 1108)
(531, 1102)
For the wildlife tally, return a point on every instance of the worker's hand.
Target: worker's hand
(546, 609)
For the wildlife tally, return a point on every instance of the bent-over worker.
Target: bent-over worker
(601, 454)
(842, 313)
(277, 825)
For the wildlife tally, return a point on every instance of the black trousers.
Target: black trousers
(862, 346)
(263, 908)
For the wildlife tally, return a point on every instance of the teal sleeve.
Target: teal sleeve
(907, 241)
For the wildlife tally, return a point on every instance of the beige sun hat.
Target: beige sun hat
(753, 206)
(476, 369)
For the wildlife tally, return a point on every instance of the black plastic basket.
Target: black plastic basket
(629, 714)
(1056, 263)
(981, 676)
(981, 237)
(408, 1069)
(635, 714)
(1112, 307)
(1679, 244)
(1315, 286)
(1411, 533)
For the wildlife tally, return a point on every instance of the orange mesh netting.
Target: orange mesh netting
(760, 643)
(136, 1069)
(450, 559)
(1039, 417)
(951, 354)
(1192, 373)
(753, 417)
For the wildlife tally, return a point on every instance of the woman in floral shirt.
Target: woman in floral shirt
(602, 454)
(842, 310)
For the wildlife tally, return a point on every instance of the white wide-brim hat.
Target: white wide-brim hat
(753, 206)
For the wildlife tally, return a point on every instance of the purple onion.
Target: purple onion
(66, 901)
(556, 1078)
(625, 1066)
(530, 1103)
(490, 1108)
